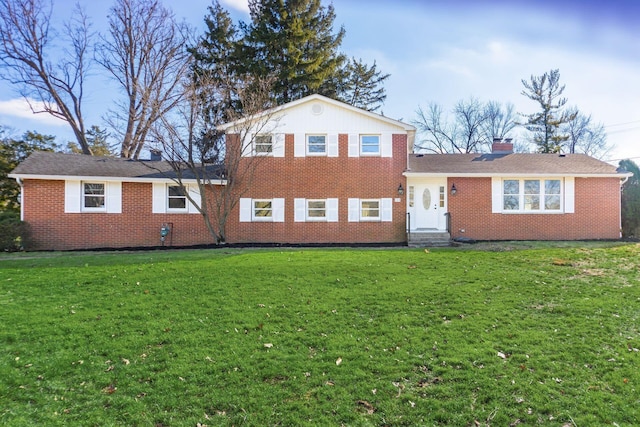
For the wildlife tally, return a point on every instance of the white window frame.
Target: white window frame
(307, 144)
(309, 209)
(254, 209)
(370, 153)
(185, 189)
(269, 145)
(84, 195)
(522, 196)
(367, 217)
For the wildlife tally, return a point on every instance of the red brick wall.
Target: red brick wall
(597, 214)
(322, 177)
(53, 229)
(307, 177)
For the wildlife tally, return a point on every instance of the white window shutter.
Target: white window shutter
(496, 195)
(332, 210)
(72, 196)
(300, 208)
(386, 145)
(354, 210)
(569, 195)
(278, 145)
(194, 193)
(299, 142)
(159, 202)
(278, 210)
(246, 209)
(247, 144)
(332, 145)
(113, 197)
(386, 211)
(354, 145)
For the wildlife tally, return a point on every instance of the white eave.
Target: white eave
(410, 174)
(110, 179)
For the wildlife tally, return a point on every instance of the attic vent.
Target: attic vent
(317, 109)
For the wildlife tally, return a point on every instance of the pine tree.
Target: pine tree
(631, 200)
(293, 41)
(96, 140)
(546, 123)
(363, 85)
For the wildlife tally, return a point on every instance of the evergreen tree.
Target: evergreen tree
(96, 140)
(631, 200)
(363, 85)
(293, 42)
(547, 122)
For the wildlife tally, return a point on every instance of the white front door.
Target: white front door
(427, 205)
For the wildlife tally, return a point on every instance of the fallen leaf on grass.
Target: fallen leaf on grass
(412, 266)
(268, 345)
(367, 406)
(502, 355)
(339, 361)
(110, 389)
(125, 361)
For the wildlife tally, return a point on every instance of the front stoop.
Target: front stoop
(421, 239)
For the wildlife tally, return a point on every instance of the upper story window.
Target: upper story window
(263, 144)
(93, 196)
(532, 195)
(316, 145)
(177, 198)
(370, 145)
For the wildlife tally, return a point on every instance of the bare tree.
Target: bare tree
(146, 54)
(222, 165)
(25, 44)
(585, 136)
(471, 128)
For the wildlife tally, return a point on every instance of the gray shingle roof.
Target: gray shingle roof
(512, 163)
(80, 165)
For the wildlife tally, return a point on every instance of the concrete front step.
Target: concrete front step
(422, 239)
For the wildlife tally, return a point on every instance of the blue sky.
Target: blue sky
(443, 51)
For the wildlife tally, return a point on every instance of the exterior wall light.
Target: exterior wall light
(400, 189)
(454, 190)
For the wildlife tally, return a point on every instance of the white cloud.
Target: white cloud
(241, 5)
(19, 108)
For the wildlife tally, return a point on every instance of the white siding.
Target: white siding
(569, 195)
(72, 196)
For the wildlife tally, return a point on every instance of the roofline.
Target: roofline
(406, 127)
(108, 178)
(410, 174)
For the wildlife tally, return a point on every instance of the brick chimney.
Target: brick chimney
(502, 147)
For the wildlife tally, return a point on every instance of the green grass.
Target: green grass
(542, 336)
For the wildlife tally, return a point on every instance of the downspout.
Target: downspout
(20, 183)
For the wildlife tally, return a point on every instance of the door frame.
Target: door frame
(415, 187)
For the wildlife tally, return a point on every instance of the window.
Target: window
(411, 195)
(263, 144)
(369, 145)
(262, 210)
(316, 145)
(369, 210)
(177, 198)
(316, 210)
(442, 196)
(93, 195)
(531, 195)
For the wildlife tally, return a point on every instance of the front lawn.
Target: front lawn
(546, 336)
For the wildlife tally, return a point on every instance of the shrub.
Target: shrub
(13, 232)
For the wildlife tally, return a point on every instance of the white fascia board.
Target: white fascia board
(508, 175)
(108, 179)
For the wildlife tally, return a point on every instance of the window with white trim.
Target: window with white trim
(263, 144)
(93, 196)
(316, 145)
(370, 210)
(262, 210)
(532, 195)
(369, 145)
(316, 210)
(176, 198)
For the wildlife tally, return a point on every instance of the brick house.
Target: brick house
(325, 172)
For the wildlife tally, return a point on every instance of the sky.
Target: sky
(443, 51)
